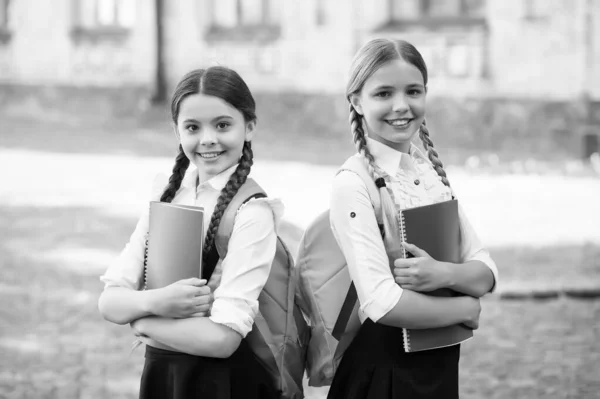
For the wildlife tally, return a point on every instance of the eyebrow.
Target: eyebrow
(192, 120)
(388, 87)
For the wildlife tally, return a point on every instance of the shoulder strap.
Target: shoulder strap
(250, 189)
(357, 165)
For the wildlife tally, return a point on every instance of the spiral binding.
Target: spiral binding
(146, 263)
(405, 333)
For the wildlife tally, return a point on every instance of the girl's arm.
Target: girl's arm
(245, 271)
(381, 299)
(197, 336)
(183, 298)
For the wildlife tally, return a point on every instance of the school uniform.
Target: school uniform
(236, 284)
(375, 364)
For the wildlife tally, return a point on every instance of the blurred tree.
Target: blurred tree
(160, 88)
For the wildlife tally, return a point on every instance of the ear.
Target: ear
(355, 101)
(250, 130)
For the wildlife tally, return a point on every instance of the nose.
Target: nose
(208, 138)
(400, 104)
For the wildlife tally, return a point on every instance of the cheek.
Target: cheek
(375, 110)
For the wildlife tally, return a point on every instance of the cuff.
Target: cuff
(234, 313)
(383, 300)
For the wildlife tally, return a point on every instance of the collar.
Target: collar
(190, 180)
(390, 160)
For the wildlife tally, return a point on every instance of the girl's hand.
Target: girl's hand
(184, 298)
(473, 307)
(421, 273)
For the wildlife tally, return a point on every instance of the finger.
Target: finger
(202, 308)
(202, 300)
(193, 281)
(403, 281)
(416, 251)
(401, 272)
(202, 291)
(199, 314)
(402, 263)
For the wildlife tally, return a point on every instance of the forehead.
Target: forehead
(397, 73)
(205, 107)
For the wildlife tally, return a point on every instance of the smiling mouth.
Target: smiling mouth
(209, 155)
(403, 122)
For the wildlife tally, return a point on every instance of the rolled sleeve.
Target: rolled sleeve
(355, 228)
(473, 249)
(246, 267)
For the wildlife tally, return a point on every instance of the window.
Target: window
(437, 11)
(245, 20)
(103, 19)
(4, 31)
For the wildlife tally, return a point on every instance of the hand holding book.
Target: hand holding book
(184, 298)
(420, 273)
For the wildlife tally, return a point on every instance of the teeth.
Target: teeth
(210, 154)
(399, 122)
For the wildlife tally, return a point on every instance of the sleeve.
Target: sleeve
(357, 233)
(128, 269)
(247, 265)
(473, 249)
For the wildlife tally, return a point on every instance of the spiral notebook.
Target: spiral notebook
(174, 244)
(436, 229)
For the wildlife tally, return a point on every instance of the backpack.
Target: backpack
(326, 294)
(280, 333)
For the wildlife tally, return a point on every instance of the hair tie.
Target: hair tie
(379, 182)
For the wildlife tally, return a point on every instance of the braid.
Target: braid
(360, 141)
(390, 227)
(237, 179)
(432, 153)
(181, 164)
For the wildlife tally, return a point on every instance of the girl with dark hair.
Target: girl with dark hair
(194, 329)
(386, 92)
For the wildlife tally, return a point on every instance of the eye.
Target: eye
(192, 128)
(383, 94)
(223, 125)
(414, 92)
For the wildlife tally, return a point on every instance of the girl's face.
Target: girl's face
(212, 133)
(392, 102)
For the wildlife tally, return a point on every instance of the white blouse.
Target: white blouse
(239, 278)
(414, 183)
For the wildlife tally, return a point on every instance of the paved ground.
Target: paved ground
(64, 217)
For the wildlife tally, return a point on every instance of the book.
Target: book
(174, 244)
(436, 229)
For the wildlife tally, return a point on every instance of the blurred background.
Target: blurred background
(513, 108)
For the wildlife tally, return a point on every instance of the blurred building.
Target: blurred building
(501, 50)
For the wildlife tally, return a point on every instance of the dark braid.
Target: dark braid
(237, 179)
(432, 153)
(181, 164)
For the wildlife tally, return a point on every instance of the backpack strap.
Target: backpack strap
(248, 191)
(356, 165)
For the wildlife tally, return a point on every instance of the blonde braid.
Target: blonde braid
(391, 228)
(358, 135)
(432, 153)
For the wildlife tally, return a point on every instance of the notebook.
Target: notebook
(436, 229)
(174, 244)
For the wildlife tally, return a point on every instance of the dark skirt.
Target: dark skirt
(376, 366)
(174, 375)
